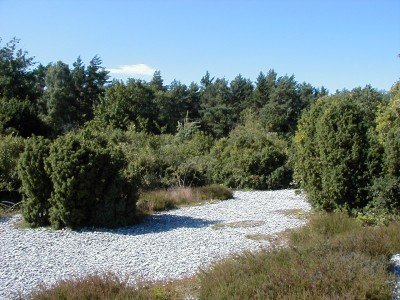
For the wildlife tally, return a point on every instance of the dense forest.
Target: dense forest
(78, 147)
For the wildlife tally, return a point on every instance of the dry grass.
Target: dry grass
(275, 240)
(334, 257)
(294, 213)
(161, 200)
(238, 224)
(110, 287)
(7, 209)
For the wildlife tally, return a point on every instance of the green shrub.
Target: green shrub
(163, 161)
(11, 148)
(214, 192)
(158, 200)
(142, 151)
(186, 160)
(36, 184)
(386, 188)
(127, 104)
(19, 117)
(90, 185)
(332, 161)
(250, 157)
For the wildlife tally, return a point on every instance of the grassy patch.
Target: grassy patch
(297, 213)
(161, 200)
(261, 237)
(334, 257)
(238, 224)
(275, 240)
(109, 287)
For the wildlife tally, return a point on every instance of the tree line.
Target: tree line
(54, 99)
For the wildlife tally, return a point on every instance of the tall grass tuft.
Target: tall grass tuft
(161, 200)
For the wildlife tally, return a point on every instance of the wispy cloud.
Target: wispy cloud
(139, 69)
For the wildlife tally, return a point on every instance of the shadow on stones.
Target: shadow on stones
(156, 224)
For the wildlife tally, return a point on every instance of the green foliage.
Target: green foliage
(263, 89)
(176, 103)
(166, 160)
(90, 185)
(281, 100)
(332, 160)
(129, 104)
(277, 100)
(281, 111)
(89, 86)
(70, 95)
(250, 157)
(377, 215)
(185, 158)
(16, 80)
(60, 107)
(36, 185)
(157, 83)
(214, 192)
(20, 117)
(241, 91)
(158, 200)
(186, 130)
(11, 148)
(386, 188)
(216, 109)
(142, 151)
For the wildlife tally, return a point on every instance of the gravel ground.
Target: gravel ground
(168, 245)
(396, 270)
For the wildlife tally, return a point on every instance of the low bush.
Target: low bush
(250, 157)
(90, 187)
(36, 185)
(213, 192)
(144, 157)
(161, 200)
(185, 158)
(334, 257)
(165, 160)
(104, 287)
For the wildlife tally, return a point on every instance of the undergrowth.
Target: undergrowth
(333, 257)
(110, 287)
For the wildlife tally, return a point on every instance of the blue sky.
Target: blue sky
(338, 44)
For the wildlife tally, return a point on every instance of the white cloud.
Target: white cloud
(139, 69)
